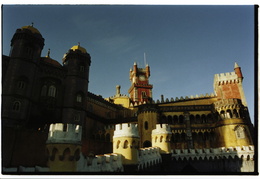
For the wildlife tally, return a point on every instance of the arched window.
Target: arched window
(146, 125)
(125, 144)
(16, 106)
(161, 138)
(77, 117)
(181, 119)
(81, 68)
(52, 91)
(240, 132)
(21, 84)
(44, 90)
(118, 144)
(229, 114)
(156, 138)
(79, 98)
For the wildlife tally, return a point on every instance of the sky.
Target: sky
(185, 46)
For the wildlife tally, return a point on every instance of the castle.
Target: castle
(51, 123)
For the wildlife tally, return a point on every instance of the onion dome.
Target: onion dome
(49, 60)
(31, 28)
(78, 47)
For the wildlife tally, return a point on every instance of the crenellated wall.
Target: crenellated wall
(149, 157)
(64, 133)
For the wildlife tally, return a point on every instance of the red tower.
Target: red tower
(140, 90)
(229, 85)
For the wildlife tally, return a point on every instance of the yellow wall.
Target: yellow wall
(68, 163)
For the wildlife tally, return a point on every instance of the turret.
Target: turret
(77, 62)
(63, 147)
(126, 142)
(161, 137)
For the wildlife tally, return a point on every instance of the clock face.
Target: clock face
(142, 77)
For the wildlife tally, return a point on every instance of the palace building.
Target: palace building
(52, 123)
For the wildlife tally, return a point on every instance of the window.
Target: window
(77, 117)
(125, 144)
(146, 125)
(240, 132)
(16, 106)
(79, 98)
(52, 91)
(81, 68)
(21, 84)
(44, 90)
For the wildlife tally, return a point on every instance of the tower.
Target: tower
(18, 84)
(147, 119)
(76, 61)
(126, 142)
(140, 90)
(161, 137)
(63, 147)
(229, 85)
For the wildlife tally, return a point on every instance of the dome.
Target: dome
(31, 28)
(78, 47)
(51, 61)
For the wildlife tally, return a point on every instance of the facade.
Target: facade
(52, 123)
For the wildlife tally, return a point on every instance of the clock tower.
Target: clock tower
(140, 90)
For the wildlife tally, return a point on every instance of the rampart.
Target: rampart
(126, 130)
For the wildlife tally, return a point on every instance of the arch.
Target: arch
(125, 144)
(77, 154)
(181, 119)
(235, 114)
(44, 90)
(146, 125)
(175, 119)
(183, 137)
(169, 119)
(147, 144)
(192, 119)
(240, 132)
(222, 114)
(161, 138)
(229, 113)
(66, 154)
(108, 137)
(197, 118)
(118, 144)
(177, 137)
(156, 138)
(53, 154)
(164, 119)
(79, 97)
(16, 106)
(203, 118)
(52, 91)
(210, 118)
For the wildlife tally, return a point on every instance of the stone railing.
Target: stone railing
(149, 157)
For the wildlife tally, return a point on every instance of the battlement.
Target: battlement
(126, 130)
(245, 152)
(101, 163)
(64, 133)
(186, 98)
(227, 102)
(162, 129)
(110, 127)
(226, 77)
(149, 157)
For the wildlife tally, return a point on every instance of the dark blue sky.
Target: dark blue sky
(184, 45)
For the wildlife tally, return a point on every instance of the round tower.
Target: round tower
(233, 125)
(161, 137)
(76, 61)
(19, 84)
(126, 143)
(63, 147)
(147, 120)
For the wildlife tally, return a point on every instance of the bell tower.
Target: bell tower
(140, 90)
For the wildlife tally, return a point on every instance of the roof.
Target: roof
(51, 61)
(31, 28)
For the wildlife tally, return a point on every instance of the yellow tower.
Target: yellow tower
(63, 147)
(126, 143)
(161, 137)
(232, 126)
(147, 120)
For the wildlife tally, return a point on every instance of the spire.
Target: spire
(48, 53)
(236, 65)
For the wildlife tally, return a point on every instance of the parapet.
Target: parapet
(149, 157)
(126, 130)
(64, 133)
(245, 152)
(162, 129)
(226, 77)
(228, 102)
